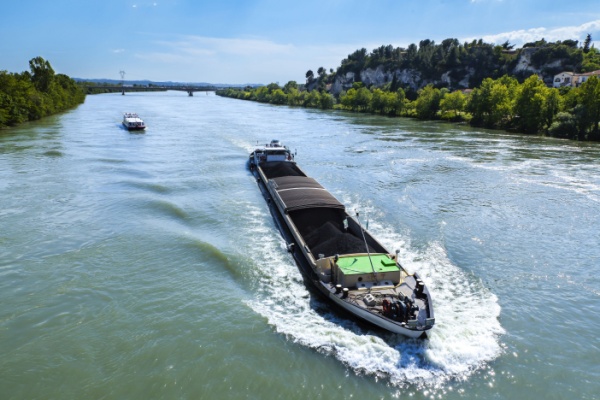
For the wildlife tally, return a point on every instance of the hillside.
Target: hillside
(454, 65)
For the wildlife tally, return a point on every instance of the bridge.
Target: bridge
(151, 88)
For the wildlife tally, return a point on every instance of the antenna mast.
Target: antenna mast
(122, 82)
(367, 247)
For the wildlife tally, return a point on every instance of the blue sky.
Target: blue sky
(260, 41)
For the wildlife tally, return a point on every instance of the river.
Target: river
(148, 265)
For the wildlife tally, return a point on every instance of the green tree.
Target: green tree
(428, 103)
(564, 126)
(399, 102)
(591, 60)
(278, 97)
(312, 99)
(453, 102)
(363, 99)
(42, 73)
(589, 99)
(491, 103)
(289, 86)
(552, 106)
(586, 43)
(326, 101)
(310, 76)
(530, 104)
(261, 94)
(272, 87)
(36, 94)
(348, 99)
(293, 97)
(379, 102)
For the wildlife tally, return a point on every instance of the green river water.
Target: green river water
(148, 266)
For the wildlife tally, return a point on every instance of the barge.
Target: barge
(336, 253)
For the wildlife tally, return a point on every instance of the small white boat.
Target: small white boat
(132, 122)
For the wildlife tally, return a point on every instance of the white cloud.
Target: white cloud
(235, 46)
(240, 60)
(522, 36)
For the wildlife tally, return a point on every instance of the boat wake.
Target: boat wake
(465, 338)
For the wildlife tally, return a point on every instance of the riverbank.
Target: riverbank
(34, 94)
(503, 104)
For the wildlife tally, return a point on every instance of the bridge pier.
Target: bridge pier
(190, 93)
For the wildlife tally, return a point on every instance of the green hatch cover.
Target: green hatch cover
(360, 264)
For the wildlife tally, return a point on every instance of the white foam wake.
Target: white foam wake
(464, 339)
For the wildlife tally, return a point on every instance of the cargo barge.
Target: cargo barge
(336, 253)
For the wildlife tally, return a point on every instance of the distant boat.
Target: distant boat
(132, 122)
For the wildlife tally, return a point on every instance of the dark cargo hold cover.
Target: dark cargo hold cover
(299, 192)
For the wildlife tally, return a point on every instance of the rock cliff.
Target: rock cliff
(456, 79)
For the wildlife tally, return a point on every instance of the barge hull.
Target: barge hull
(312, 221)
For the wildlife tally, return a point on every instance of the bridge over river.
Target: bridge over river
(153, 88)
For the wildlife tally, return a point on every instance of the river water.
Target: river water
(148, 265)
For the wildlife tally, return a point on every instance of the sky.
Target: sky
(260, 41)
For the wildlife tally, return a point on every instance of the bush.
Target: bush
(564, 126)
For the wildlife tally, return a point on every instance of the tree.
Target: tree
(326, 101)
(428, 102)
(491, 103)
(293, 97)
(454, 101)
(42, 73)
(586, 43)
(529, 105)
(32, 95)
(310, 75)
(348, 99)
(564, 126)
(261, 94)
(382, 102)
(552, 106)
(290, 85)
(589, 100)
(507, 46)
(591, 60)
(312, 99)
(399, 101)
(272, 87)
(363, 99)
(278, 97)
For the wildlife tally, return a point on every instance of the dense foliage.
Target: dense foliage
(520, 102)
(465, 65)
(289, 94)
(476, 59)
(37, 93)
(503, 103)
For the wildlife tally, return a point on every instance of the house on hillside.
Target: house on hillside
(587, 75)
(572, 79)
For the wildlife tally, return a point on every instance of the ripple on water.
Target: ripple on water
(53, 153)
